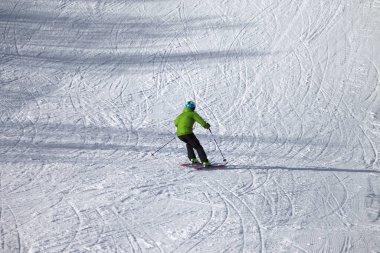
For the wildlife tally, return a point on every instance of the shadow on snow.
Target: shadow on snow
(305, 169)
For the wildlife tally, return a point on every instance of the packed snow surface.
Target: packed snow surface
(90, 88)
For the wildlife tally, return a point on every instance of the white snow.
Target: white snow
(90, 88)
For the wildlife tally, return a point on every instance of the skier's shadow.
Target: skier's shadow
(284, 168)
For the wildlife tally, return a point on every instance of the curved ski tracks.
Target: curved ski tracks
(282, 94)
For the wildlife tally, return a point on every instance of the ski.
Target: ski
(199, 166)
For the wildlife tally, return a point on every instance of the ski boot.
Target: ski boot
(206, 164)
(194, 160)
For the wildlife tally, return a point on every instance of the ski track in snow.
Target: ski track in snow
(89, 89)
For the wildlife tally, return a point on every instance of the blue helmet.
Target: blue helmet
(190, 105)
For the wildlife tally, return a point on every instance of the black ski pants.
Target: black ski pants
(193, 143)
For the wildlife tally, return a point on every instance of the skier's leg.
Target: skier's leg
(194, 142)
(189, 147)
(190, 152)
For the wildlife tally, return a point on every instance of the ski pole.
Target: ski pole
(224, 159)
(162, 146)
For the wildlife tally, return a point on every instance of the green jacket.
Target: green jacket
(185, 121)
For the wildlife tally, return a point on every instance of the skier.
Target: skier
(184, 123)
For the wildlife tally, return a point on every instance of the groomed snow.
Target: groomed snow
(90, 88)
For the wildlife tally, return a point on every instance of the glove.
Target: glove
(207, 126)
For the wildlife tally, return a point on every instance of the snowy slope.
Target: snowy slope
(90, 88)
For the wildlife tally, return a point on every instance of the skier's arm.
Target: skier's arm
(201, 121)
